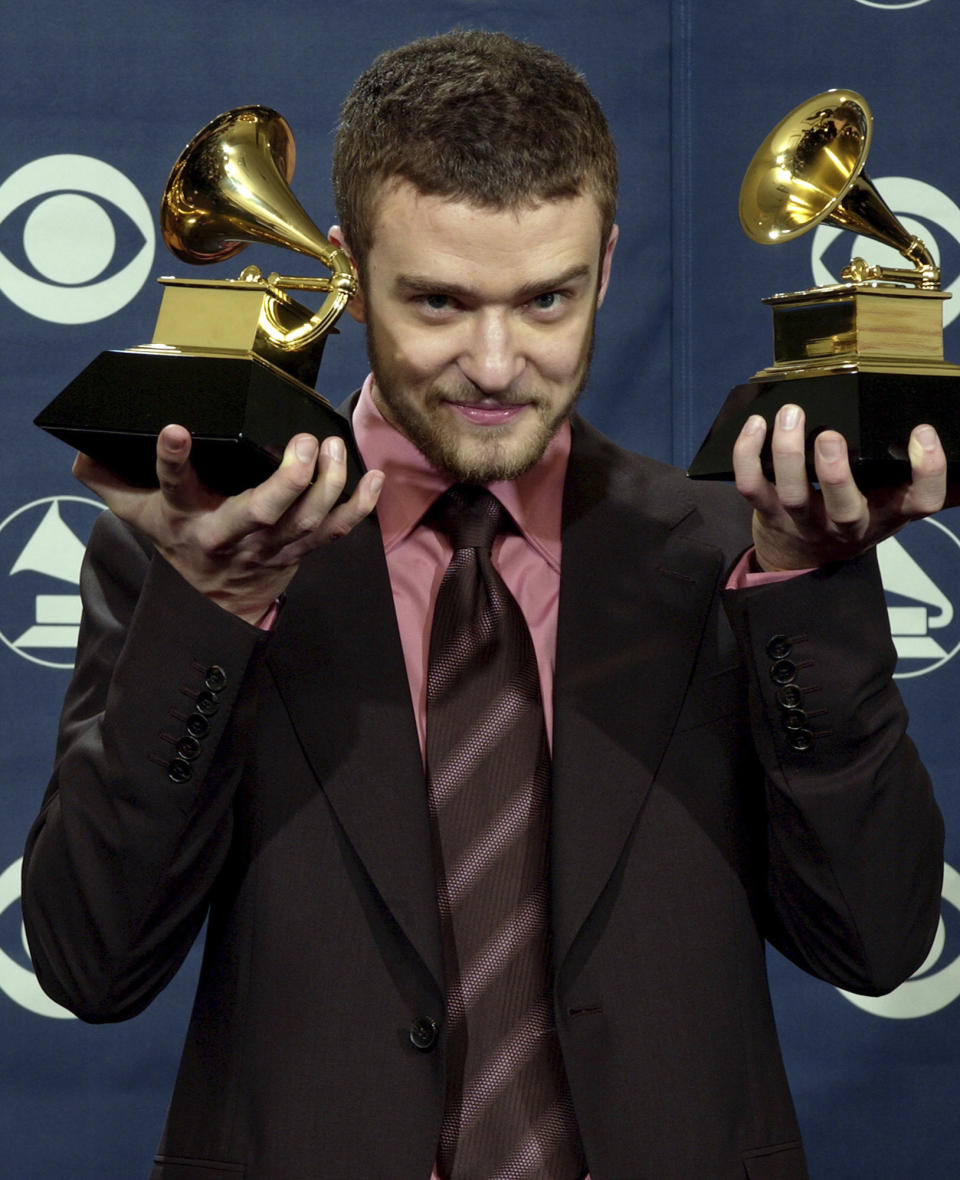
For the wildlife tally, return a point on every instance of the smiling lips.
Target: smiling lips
(487, 413)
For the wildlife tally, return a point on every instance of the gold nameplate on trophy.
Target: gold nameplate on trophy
(863, 356)
(233, 360)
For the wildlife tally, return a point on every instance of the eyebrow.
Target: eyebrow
(414, 284)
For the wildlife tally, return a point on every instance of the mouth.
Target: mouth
(488, 413)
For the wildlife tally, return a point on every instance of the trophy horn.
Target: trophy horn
(809, 169)
(229, 187)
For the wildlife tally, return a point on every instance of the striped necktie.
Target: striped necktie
(508, 1113)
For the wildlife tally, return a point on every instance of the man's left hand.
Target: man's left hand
(797, 526)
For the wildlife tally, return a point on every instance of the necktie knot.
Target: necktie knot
(470, 516)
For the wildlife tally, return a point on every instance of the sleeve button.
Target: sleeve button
(779, 647)
(188, 748)
(215, 678)
(206, 703)
(783, 672)
(789, 697)
(179, 771)
(197, 725)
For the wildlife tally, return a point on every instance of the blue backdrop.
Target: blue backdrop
(100, 98)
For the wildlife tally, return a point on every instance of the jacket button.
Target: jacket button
(215, 678)
(188, 748)
(794, 719)
(206, 703)
(800, 739)
(789, 697)
(179, 771)
(197, 725)
(424, 1033)
(783, 672)
(779, 647)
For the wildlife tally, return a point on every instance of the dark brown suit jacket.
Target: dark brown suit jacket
(689, 827)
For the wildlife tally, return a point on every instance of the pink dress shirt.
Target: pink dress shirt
(529, 562)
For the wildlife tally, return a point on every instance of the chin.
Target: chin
(490, 463)
(473, 454)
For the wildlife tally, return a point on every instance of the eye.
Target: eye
(437, 302)
(549, 305)
(76, 214)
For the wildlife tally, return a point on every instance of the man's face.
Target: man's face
(480, 324)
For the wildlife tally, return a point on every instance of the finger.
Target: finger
(337, 521)
(122, 498)
(928, 465)
(93, 474)
(843, 502)
(789, 458)
(347, 516)
(747, 466)
(308, 522)
(262, 506)
(175, 474)
(307, 514)
(331, 473)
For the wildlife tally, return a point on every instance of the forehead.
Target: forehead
(457, 239)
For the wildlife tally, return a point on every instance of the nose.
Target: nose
(492, 358)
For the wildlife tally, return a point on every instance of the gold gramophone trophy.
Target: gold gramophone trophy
(864, 356)
(233, 360)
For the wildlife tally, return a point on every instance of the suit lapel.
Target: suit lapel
(634, 598)
(338, 662)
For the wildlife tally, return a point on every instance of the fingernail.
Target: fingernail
(927, 437)
(789, 417)
(333, 447)
(376, 483)
(304, 449)
(754, 424)
(829, 448)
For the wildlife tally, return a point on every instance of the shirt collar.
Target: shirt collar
(535, 500)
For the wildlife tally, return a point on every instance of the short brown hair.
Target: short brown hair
(473, 116)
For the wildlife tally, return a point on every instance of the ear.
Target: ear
(606, 263)
(356, 305)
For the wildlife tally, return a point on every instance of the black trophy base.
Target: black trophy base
(241, 412)
(875, 413)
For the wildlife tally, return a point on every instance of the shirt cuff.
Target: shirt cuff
(746, 574)
(269, 617)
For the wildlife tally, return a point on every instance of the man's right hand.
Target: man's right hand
(240, 551)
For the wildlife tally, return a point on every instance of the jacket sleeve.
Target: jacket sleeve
(136, 821)
(854, 836)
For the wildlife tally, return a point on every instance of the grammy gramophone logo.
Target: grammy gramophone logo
(41, 549)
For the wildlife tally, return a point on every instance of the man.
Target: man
(248, 736)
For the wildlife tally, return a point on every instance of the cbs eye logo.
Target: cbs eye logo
(934, 985)
(892, 3)
(922, 210)
(17, 980)
(69, 239)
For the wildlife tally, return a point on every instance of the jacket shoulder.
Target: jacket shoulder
(602, 472)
